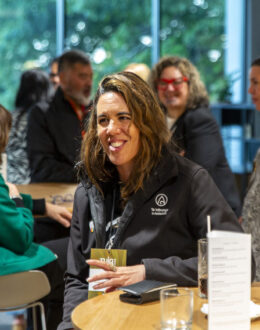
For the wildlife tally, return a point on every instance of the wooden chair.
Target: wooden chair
(24, 290)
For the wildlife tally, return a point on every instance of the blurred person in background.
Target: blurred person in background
(251, 205)
(185, 101)
(54, 222)
(55, 131)
(54, 72)
(18, 250)
(141, 69)
(34, 88)
(34, 93)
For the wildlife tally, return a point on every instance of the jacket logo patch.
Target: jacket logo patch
(161, 200)
(91, 226)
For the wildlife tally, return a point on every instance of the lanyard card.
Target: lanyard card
(114, 257)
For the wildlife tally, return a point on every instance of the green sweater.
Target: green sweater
(18, 253)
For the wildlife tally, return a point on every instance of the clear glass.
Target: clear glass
(203, 267)
(176, 308)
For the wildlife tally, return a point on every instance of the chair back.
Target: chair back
(23, 288)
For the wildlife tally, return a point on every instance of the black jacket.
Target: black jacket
(197, 133)
(53, 141)
(163, 238)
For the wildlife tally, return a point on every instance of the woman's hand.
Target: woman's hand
(13, 191)
(115, 277)
(59, 213)
(182, 153)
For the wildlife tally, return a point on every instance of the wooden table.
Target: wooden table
(108, 312)
(51, 192)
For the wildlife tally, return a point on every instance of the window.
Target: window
(115, 33)
(28, 40)
(195, 29)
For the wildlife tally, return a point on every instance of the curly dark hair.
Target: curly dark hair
(198, 95)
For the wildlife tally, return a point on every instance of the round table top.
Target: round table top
(108, 312)
(62, 192)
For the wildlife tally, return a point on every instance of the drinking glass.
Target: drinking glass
(203, 267)
(176, 308)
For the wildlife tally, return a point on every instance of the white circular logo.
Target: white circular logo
(161, 200)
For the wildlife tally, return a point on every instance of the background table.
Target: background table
(108, 312)
(50, 191)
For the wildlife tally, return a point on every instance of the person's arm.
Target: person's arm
(204, 199)
(42, 152)
(59, 214)
(203, 140)
(16, 232)
(117, 276)
(41, 207)
(205, 147)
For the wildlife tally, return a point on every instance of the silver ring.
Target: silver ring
(112, 268)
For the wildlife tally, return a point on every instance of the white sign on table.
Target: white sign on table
(229, 280)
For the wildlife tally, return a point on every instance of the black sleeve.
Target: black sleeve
(42, 152)
(205, 147)
(39, 206)
(203, 139)
(204, 199)
(18, 202)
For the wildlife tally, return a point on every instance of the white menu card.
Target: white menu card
(229, 280)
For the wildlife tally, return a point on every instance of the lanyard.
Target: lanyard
(113, 223)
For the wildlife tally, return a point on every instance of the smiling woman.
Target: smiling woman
(119, 137)
(184, 98)
(158, 199)
(137, 122)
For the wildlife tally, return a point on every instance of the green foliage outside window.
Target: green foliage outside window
(195, 29)
(27, 40)
(110, 31)
(114, 33)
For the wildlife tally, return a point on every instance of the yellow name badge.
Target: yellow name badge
(113, 257)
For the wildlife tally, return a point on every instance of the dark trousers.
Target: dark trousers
(54, 236)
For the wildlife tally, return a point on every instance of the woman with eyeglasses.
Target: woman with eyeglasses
(185, 101)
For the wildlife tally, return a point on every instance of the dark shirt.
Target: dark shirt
(197, 133)
(53, 141)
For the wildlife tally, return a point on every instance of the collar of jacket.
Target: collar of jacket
(165, 170)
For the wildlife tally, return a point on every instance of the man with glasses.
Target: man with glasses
(55, 129)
